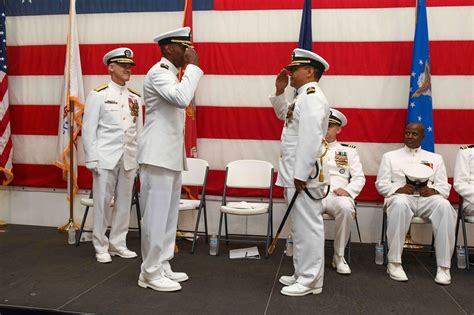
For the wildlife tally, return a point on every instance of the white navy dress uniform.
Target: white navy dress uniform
(464, 177)
(306, 123)
(111, 125)
(161, 156)
(345, 170)
(402, 207)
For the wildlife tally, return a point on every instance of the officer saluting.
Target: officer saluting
(111, 124)
(347, 181)
(306, 123)
(162, 157)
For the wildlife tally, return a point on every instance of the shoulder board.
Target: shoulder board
(311, 90)
(467, 146)
(134, 92)
(165, 66)
(102, 87)
(348, 145)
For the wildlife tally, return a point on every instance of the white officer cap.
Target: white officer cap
(337, 117)
(417, 172)
(122, 55)
(303, 57)
(179, 36)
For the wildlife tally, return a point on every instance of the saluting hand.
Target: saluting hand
(281, 82)
(191, 56)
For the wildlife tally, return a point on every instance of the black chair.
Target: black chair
(88, 203)
(421, 247)
(328, 217)
(462, 220)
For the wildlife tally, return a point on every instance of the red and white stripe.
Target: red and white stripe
(6, 144)
(242, 45)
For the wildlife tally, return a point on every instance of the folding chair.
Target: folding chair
(253, 174)
(328, 217)
(414, 220)
(195, 176)
(463, 219)
(89, 202)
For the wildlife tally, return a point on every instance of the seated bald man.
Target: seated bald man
(404, 200)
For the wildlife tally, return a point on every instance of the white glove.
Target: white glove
(93, 166)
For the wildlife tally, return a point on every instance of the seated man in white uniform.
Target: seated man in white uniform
(111, 124)
(347, 181)
(403, 200)
(464, 177)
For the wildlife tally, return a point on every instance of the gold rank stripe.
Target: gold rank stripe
(123, 60)
(181, 41)
(102, 87)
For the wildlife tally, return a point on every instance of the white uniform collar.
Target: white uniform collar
(115, 86)
(172, 67)
(333, 144)
(304, 87)
(412, 151)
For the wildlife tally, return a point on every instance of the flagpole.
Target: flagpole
(70, 224)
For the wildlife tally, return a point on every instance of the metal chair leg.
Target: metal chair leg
(196, 227)
(205, 224)
(226, 230)
(219, 233)
(81, 230)
(78, 239)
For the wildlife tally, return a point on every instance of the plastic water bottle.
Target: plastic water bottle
(213, 245)
(379, 253)
(289, 246)
(461, 257)
(71, 235)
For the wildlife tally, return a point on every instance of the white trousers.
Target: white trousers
(117, 183)
(400, 210)
(308, 238)
(342, 209)
(160, 195)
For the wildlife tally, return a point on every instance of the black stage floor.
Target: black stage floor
(41, 274)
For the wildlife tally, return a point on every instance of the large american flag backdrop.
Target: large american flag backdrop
(242, 45)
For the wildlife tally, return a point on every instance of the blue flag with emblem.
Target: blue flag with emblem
(306, 36)
(420, 106)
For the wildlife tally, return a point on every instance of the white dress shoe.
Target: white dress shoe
(297, 289)
(160, 284)
(287, 280)
(443, 276)
(175, 276)
(340, 264)
(124, 253)
(396, 272)
(103, 258)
